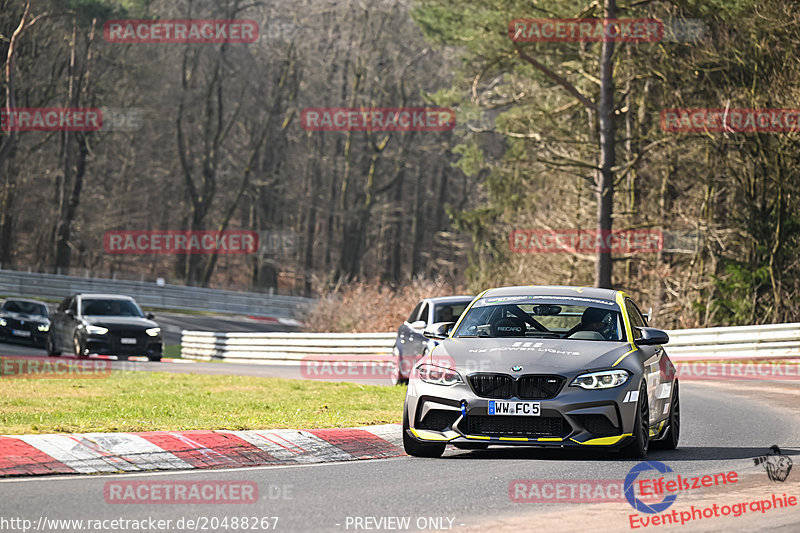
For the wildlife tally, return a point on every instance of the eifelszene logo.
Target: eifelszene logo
(637, 503)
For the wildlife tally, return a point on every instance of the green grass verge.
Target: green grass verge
(172, 351)
(145, 401)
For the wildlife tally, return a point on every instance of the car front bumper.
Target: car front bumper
(28, 332)
(110, 344)
(575, 417)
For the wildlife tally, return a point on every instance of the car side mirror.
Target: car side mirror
(417, 324)
(652, 336)
(439, 330)
(150, 316)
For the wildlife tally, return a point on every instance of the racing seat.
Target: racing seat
(584, 330)
(587, 335)
(509, 327)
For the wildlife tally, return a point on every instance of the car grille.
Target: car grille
(517, 426)
(492, 385)
(29, 325)
(538, 387)
(528, 387)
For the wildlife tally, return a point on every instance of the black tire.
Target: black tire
(670, 441)
(418, 449)
(77, 348)
(155, 358)
(396, 375)
(51, 348)
(637, 448)
(471, 446)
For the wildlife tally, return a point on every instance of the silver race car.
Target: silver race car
(544, 366)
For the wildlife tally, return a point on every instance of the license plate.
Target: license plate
(515, 408)
(20, 333)
(127, 340)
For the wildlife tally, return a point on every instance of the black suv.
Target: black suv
(107, 324)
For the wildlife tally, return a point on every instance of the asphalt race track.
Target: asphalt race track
(724, 427)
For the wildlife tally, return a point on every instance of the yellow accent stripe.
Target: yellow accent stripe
(477, 437)
(430, 435)
(520, 439)
(626, 354)
(620, 298)
(657, 430)
(604, 441)
(550, 439)
(464, 312)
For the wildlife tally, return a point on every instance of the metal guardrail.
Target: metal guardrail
(32, 284)
(769, 341)
(286, 347)
(775, 341)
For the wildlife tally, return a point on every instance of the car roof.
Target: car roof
(554, 290)
(449, 299)
(103, 296)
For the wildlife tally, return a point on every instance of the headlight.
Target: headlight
(606, 379)
(96, 330)
(153, 331)
(438, 375)
(43, 327)
(3, 322)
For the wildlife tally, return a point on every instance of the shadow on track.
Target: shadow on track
(691, 453)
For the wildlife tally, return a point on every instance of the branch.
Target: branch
(560, 80)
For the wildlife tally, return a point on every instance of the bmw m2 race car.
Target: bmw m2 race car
(544, 366)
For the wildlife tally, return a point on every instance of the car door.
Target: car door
(415, 341)
(656, 384)
(405, 330)
(57, 324)
(70, 320)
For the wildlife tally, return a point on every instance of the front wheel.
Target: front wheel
(78, 349)
(396, 375)
(637, 449)
(51, 347)
(419, 449)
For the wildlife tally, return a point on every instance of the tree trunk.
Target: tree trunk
(605, 176)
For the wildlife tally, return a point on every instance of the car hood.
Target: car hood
(546, 356)
(25, 316)
(112, 322)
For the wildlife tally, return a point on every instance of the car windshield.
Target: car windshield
(543, 317)
(448, 312)
(110, 308)
(27, 308)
